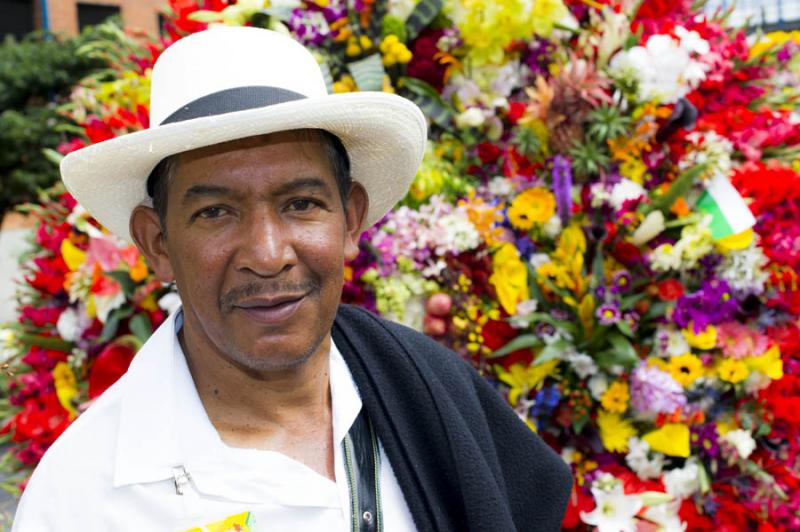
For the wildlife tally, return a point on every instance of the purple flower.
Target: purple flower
(655, 391)
(562, 187)
(608, 313)
(712, 304)
(621, 281)
(632, 319)
(705, 438)
(539, 56)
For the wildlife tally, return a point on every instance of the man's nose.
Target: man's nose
(266, 248)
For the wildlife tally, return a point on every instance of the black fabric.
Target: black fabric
(462, 457)
(364, 464)
(231, 100)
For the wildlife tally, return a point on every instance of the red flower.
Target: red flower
(496, 334)
(488, 152)
(49, 276)
(670, 289)
(579, 501)
(97, 130)
(42, 420)
(515, 111)
(41, 316)
(424, 63)
(110, 365)
(627, 253)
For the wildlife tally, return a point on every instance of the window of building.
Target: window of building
(92, 14)
(17, 18)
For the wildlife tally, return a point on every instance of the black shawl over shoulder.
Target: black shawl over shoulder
(462, 457)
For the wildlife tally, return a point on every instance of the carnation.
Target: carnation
(683, 482)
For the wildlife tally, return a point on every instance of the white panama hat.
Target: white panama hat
(229, 83)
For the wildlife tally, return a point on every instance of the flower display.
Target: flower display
(605, 225)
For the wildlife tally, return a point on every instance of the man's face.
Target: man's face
(256, 240)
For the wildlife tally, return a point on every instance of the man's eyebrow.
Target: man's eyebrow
(301, 183)
(199, 191)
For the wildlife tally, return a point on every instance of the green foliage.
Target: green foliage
(607, 122)
(588, 158)
(36, 74)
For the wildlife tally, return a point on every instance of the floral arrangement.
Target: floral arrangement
(605, 224)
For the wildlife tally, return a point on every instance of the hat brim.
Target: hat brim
(384, 136)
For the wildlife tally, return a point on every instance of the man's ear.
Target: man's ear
(355, 212)
(145, 228)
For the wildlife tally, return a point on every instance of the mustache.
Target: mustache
(232, 297)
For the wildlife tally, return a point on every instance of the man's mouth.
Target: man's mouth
(271, 310)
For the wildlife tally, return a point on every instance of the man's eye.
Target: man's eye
(300, 205)
(210, 212)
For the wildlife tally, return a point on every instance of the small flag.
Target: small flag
(729, 213)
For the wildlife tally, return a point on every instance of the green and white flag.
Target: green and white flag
(730, 215)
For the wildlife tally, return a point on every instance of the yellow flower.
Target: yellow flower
(634, 170)
(139, 271)
(732, 371)
(66, 387)
(533, 206)
(509, 277)
(736, 242)
(615, 431)
(616, 397)
(523, 379)
(770, 363)
(685, 368)
(345, 84)
(586, 312)
(672, 439)
(73, 257)
(706, 339)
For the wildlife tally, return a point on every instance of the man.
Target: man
(262, 403)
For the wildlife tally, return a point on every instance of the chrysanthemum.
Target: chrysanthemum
(616, 397)
(533, 206)
(615, 431)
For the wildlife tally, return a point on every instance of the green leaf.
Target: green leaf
(657, 309)
(598, 267)
(140, 327)
(112, 324)
(551, 352)
(625, 328)
(205, 16)
(520, 342)
(124, 279)
(628, 302)
(620, 353)
(579, 423)
(430, 101)
(680, 187)
(424, 12)
(368, 73)
(48, 342)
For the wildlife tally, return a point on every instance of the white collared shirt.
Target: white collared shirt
(115, 467)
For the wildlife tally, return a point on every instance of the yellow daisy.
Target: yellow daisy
(615, 431)
(732, 371)
(685, 368)
(533, 206)
(616, 397)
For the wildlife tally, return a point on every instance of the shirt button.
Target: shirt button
(367, 517)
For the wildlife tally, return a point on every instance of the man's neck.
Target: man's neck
(287, 410)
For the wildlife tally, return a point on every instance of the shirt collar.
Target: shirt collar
(163, 423)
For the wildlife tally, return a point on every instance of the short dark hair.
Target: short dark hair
(335, 152)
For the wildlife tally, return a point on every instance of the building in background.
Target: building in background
(68, 17)
(768, 15)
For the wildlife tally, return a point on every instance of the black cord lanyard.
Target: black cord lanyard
(363, 465)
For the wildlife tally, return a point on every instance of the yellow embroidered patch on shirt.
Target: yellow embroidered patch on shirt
(243, 522)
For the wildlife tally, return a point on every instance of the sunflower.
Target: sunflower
(685, 368)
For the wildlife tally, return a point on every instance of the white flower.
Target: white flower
(552, 227)
(665, 257)
(745, 270)
(741, 440)
(500, 186)
(582, 364)
(638, 460)
(683, 482)
(70, 326)
(664, 67)
(755, 382)
(524, 309)
(538, 259)
(624, 191)
(665, 515)
(691, 41)
(670, 342)
(472, 117)
(598, 385)
(615, 511)
(105, 304)
(651, 227)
